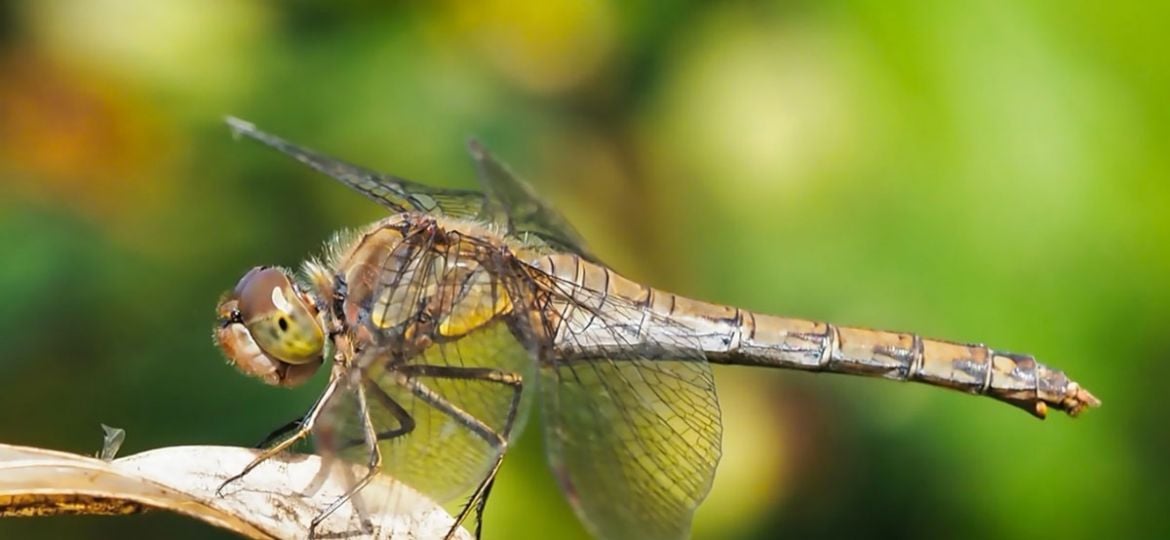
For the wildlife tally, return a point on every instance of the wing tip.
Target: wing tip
(476, 148)
(239, 126)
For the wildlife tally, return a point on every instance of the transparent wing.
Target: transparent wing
(439, 431)
(633, 435)
(396, 194)
(509, 201)
(512, 202)
(442, 373)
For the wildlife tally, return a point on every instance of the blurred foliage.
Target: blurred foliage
(983, 170)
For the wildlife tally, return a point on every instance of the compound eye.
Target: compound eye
(279, 320)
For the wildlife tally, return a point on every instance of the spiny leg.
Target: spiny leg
(482, 504)
(302, 432)
(406, 422)
(478, 498)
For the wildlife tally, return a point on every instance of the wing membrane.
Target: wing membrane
(513, 203)
(459, 414)
(507, 200)
(632, 465)
(633, 435)
(394, 193)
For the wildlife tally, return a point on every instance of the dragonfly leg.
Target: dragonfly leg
(409, 378)
(370, 440)
(478, 499)
(406, 422)
(507, 378)
(280, 432)
(479, 507)
(302, 431)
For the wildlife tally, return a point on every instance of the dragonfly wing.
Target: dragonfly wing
(514, 203)
(633, 436)
(396, 194)
(630, 461)
(438, 431)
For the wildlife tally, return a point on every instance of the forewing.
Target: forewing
(507, 200)
(396, 194)
(633, 435)
(513, 202)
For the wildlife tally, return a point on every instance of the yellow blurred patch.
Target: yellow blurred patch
(198, 50)
(546, 47)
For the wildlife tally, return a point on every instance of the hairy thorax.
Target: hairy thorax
(418, 277)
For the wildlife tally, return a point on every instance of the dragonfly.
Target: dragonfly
(448, 320)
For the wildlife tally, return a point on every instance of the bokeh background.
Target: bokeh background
(988, 171)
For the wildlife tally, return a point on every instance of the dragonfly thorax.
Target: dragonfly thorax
(412, 277)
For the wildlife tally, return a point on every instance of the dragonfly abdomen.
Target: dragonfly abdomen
(1017, 379)
(654, 323)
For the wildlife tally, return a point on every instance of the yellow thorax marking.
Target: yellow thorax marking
(476, 308)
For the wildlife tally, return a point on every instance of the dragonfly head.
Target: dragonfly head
(268, 328)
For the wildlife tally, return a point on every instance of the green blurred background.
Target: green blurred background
(988, 171)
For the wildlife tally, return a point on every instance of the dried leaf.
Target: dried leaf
(276, 500)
